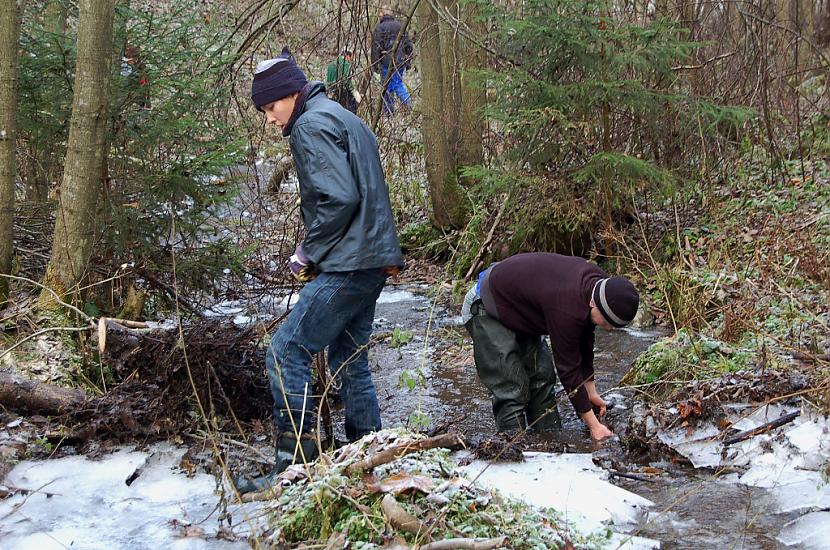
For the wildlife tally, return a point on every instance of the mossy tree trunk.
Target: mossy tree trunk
(8, 135)
(75, 218)
(449, 132)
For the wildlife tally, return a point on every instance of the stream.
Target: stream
(424, 373)
(692, 508)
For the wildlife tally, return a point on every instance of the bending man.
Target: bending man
(517, 301)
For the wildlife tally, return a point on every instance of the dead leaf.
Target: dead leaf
(689, 408)
(399, 518)
(187, 530)
(401, 483)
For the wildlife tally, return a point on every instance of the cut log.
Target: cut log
(116, 339)
(30, 396)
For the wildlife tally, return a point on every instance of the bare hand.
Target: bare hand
(599, 402)
(600, 432)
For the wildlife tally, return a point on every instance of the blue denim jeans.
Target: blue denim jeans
(334, 310)
(395, 87)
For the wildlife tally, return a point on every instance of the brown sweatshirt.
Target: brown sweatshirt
(542, 293)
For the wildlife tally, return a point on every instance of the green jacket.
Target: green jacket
(339, 74)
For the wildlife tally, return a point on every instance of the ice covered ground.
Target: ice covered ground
(126, 500)
(142, 499)
(572, 484)
(787, 461)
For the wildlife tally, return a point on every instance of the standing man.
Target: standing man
(391, 57)
(517, 301)
(349, 250)
(339, 81)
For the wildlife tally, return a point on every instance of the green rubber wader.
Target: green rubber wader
(518, 371)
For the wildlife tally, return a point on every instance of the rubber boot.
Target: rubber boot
(542, 414)
(287, 453)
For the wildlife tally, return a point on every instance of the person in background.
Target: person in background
(339, 81)
(515, 303)
(391, 58)
(350, 248)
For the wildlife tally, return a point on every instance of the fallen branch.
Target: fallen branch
(19, 393)
(765, 427)
(448, 441)
(464, 544)
(486, 243)
(626, 475)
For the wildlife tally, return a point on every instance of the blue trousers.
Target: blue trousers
(395, 87)
(334, 310)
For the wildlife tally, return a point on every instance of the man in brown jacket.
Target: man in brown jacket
(517, 301)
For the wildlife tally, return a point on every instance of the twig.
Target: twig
(765, 427)
(464, 544)
(489, 238)
(38, 333)
(449, 441)
(701, 65)
(54, 294)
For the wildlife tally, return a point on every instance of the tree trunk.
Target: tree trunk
(436, 149)
(75, 218)
(8, 135)
(442, 118)
(473, 98)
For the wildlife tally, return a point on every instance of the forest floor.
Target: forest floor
(744, 300)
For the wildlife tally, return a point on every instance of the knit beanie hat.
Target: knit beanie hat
(275, 79)
(617, 300)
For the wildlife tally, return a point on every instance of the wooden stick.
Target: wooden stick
(464, 544)
(489, 238)
(449, 441)
(765, 427)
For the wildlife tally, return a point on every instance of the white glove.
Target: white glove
(356, 96)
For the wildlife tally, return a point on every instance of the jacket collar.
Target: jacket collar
(310, 90)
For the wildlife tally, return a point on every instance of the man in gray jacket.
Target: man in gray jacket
(349, 250)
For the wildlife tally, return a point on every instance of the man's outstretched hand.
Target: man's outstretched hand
(599, 431)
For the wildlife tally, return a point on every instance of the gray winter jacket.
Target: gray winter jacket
(343, 195)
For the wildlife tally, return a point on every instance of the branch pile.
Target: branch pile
(393, 489)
